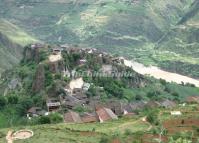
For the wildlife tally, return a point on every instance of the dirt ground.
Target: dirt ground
(54, 58)
(19, 135)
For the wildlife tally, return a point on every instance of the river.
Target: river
(159, 73)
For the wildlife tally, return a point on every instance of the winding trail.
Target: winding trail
(124, 126)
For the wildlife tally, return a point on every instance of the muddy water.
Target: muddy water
(159, 73)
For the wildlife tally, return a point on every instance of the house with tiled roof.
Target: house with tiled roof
(134, 106)
(35, 112)
(70, 102)
(89, 118)
(105, 114)
(53, 104)
(167, 104)
(116, 106)
(72, 117)
(192, 99)
(152, 104)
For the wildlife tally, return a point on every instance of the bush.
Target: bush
(13, 99)
(23, 105)
(128, 132)
(175, 94)
(55, 118)
(57, 76)
(152, 118)
(104, 139)
(44, 120)
(138, 97)
(3, 102)
(163, 82)
(79, 109)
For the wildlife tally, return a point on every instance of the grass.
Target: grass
(15, 34)
(12, 41)
(182, 91)
(106, 25)
(79, 133)
(133, 125)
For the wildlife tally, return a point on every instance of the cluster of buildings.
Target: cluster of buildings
(101, 112)
(75, 95)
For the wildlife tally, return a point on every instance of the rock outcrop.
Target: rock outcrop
(39, 80)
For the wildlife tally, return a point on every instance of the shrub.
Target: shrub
(163, 82)
(44, 120)
(79, 109)
(3, 102)
(127, 132)
(13, 99)
(23, 105)
(104, 139)
(55, 118)
(57, 76)
(152, 118)
(138, 97)
(175, 94)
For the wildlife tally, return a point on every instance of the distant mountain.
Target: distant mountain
(12, 41)
(183, 40)
(131, 28)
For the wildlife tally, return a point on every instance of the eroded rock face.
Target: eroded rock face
(56, 67)
(39, 80)
(32, 54)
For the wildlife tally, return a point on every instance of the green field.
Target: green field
(153, 32)
(80, 133)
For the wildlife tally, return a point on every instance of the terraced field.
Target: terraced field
(162, 33)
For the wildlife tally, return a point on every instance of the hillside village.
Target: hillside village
(85, 86)
(74, 93)
(129, 72)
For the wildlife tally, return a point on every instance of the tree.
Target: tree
(2, 102)
(104, 139)
(152, 117)
(55, 118)
(175, 94)
(13, 99)
(138, 97)
(23, 105)
(163, 82)
(57, 76)
(44, 120)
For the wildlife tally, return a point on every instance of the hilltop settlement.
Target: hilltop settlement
(73, 85)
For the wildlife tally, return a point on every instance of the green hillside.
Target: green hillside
(183, 40)
(131, 28)
(82, 133)
(12, 40)
(41, 76)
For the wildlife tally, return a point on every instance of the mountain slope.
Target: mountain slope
(48, 73)
(183, 40)
(12, 40)
(131, 28)
(134, 22)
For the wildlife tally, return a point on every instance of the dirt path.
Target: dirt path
(124, 126)
(9, 137)
(160, 74)
(144, 119)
